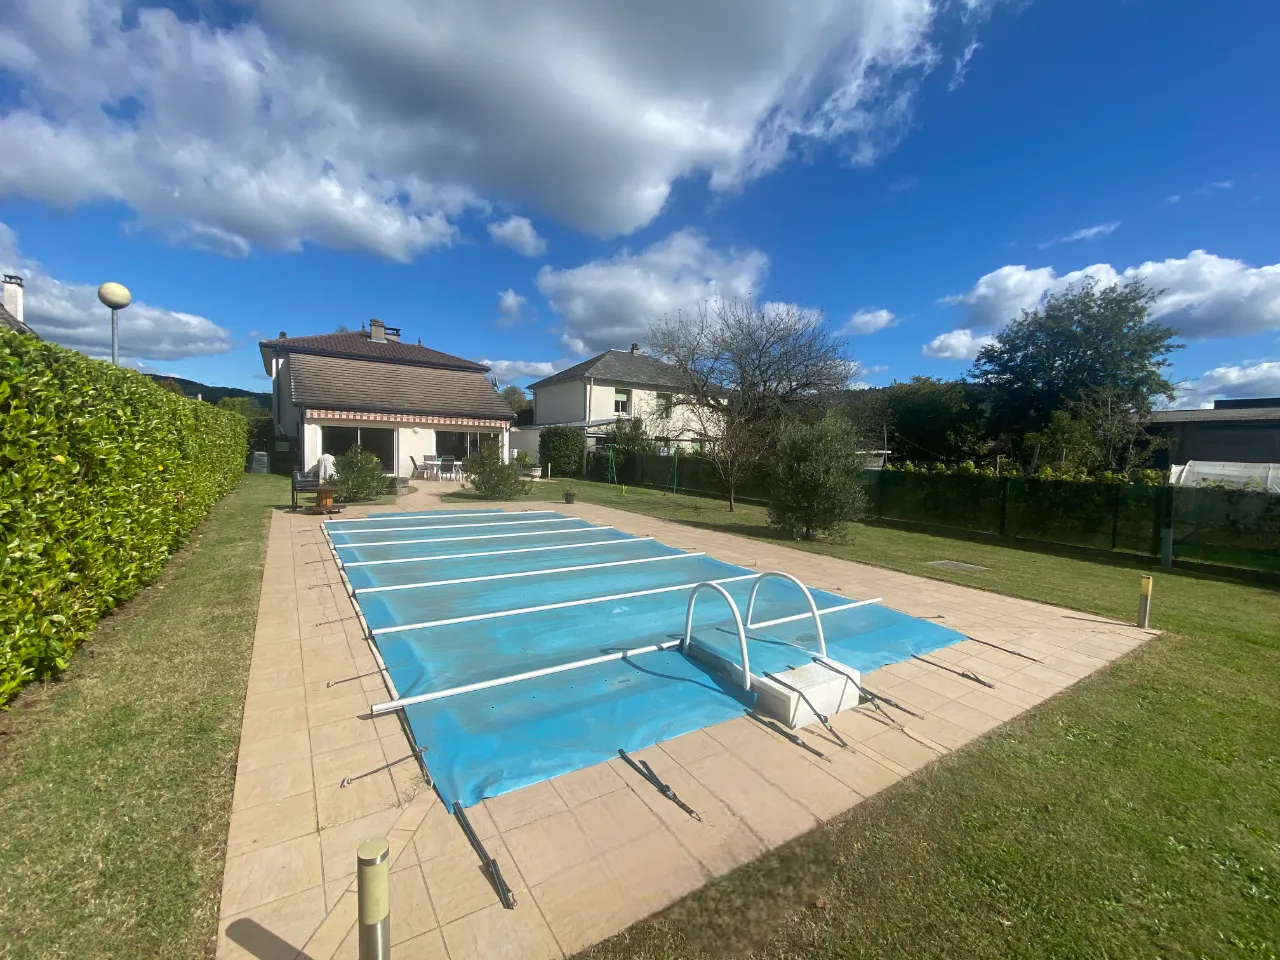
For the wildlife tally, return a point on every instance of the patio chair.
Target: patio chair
(419, 471)
(431, 467)
(448, 467)
(302, 483)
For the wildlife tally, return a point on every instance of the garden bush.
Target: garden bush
(561, 448)
(103, 474)
(491, 478)
(360, 475)
(817, 483)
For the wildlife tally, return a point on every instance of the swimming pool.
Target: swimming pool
(525, 645)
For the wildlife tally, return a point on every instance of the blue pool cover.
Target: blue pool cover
(455, 598)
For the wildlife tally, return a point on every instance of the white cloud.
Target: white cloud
(70, 314)
(518, 234)
(611, 302)
(956, 345)
(377, 125)
(1086, 233)
(1208, 188)
(508, 371)
(1206, 296)
(962, 65)
(510, 308)
(1259, 380)
(869, 321)
(878, 368)
(1173, 198)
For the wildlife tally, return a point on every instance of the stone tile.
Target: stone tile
(273, 750)
(939, 681)
(429, 946)
(587, 784)
(360, 798)
(990, 704)
(338, 924)
(262, 876)
(256, 705)
(584, 905)
(347, 707)
(654, 871)
(270, 681)
(439, 834)
(273, 931)
(341, 733)
(944, 733)
(411, 911)
(273, 723)
(966, 717)
(338, 844)
(496, 932)
(459, 884)
(615, 818)
(901, 750)
(523, 806)
(331, 768)
(771, 814)
(918, 698)
(860, 773)
(253, 828)
(269, 784)
(544, 847)
(691, 746)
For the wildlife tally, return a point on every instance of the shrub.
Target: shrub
(103, 474)
(491, 478)
(561, 447)
(817, 483)
(630, 441)
(360, 475)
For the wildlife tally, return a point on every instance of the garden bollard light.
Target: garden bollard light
(1144, 603)
(373, 897)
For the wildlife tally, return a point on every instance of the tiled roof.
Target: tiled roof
(341, 383)
(9, 322)
(356, 344)
(620, 365)
(1231, 415)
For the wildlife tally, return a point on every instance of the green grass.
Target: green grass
(1135, 815)
(116, 781)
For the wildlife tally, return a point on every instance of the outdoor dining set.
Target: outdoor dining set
(436, 468)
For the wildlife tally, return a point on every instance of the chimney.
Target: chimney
(377, 331)
(392, 334)
(635, 349)
(13, 296)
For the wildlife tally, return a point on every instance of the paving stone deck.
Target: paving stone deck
(589, 853)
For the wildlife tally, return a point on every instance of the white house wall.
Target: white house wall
(644, 404)
(560, 402)
(416, 442)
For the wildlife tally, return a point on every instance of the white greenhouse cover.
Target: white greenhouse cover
(1250, 476)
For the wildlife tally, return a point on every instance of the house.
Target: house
(395, 399)
(11, 307)
(1234, 431)
(594, 394)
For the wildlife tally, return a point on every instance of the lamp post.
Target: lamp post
(117, 297)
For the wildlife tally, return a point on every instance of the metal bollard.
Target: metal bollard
(373, 896)
(1144, 603)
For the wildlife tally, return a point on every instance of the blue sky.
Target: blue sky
(289, 165)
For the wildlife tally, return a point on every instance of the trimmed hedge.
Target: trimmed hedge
(103, 474)
(561, 448)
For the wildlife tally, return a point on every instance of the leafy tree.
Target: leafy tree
(491, 478)
(924, 418)
(1103, 432)
(360, 475)
(247, 407)
(516, 398)
(817, 482)
(743, 370)
(561, 448)
(168, 383)
(630, 440)
(1083, 340)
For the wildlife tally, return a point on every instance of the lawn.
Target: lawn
(1135, 815)
(116, 781)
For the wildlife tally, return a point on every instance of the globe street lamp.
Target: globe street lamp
(117, 297)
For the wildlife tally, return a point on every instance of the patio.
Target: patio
(591, 852)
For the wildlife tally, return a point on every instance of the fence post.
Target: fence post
(1166, 530)
(880, 484)
(373, 898)
(1004, 505)
(1115, 518)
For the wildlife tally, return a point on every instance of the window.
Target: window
(622, 402)
(662, 409)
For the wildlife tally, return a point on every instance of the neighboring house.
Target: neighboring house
(396, 399)
(594, 394)
(1234, 431)
(11, 307)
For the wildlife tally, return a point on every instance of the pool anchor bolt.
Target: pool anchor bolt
(347, 781)
(642, 767)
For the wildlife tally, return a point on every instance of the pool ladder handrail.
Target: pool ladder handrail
(813, 606)
(737, 622)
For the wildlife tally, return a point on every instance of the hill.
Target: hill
(213, 394)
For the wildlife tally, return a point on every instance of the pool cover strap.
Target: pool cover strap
(646, 771)
(959, 673)
(822, 718)
(490, 865)
(793, 737)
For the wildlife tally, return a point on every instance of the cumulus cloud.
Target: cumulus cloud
(518, 234)
(1221, 383)
(956, 345)
(1205, 296)
(1086, 233)
(70, 314)
(511, 370)
(377, 125)
(510, 308)
(611, 302)
(869, 321)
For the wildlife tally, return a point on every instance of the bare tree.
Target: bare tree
(743, 369)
